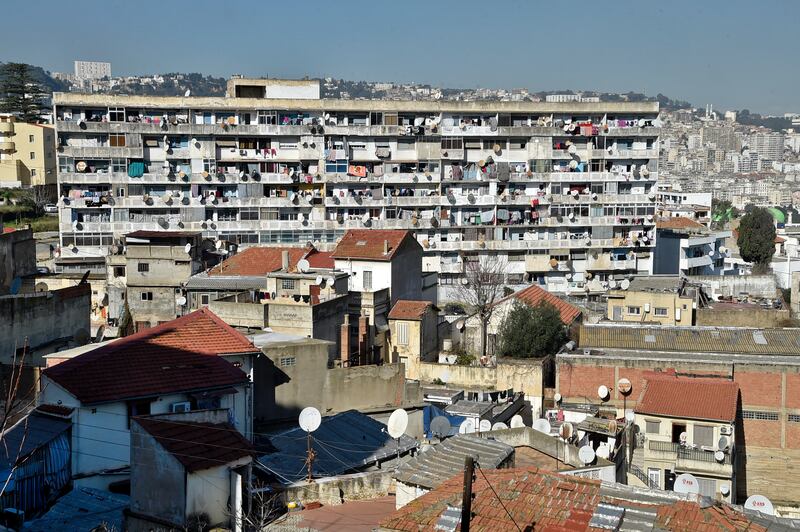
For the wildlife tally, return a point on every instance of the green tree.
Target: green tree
(756, 239)
(20, 93)
(722, 211)
(531, 331)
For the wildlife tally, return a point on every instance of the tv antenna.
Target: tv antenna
(310, 420)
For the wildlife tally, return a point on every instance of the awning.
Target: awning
(226, 144)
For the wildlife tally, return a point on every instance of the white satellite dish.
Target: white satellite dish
(303, 265)
(542, 425)
(310, 419)
(440, 427)
(398, 422)
(180, 301)
(318, 280)
(499, 426)
(759, 503)
(625, 284)
(187, 248)
(330, 281)
(724, 490)
(686, 483)
(557, 396)
(365, 218)
(218, 244)
(485, 425)
(187, 93)
(602, 391)
(586, 454)
(630, 415)
(517, 422)
(719, 456)
(603, 451)
(467, 426)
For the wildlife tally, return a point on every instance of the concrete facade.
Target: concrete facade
(412, 342)
(28, 157)
(17, 257)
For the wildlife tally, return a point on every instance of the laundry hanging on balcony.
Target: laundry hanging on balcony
(136, 169)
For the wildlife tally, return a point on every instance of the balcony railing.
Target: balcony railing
(687, 453)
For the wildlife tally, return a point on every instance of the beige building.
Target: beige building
(664, 299)
(27, 154)
(413, 334)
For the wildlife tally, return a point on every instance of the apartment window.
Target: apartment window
(33, 155)
(634, 311)
(660, 311)
(118, 166)
(30, 139)
(488, 144)
(376, 119)
(147, 296)
(204, 299)
(248, 214)
(209, 165)
(143, 267)
(793, 418)
(33, 172)
(116, 114)
(654, 476)
(518, 144)
(138, 408)
(367, 284)
(707, 486)
(119, 271)
(287, 284)
(652, 427)
(452, 143)
(288, 361)
(402, 333)
(703, 435)
(116, 140)
(759, 415)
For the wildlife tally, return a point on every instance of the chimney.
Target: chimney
(285, 260)
(385, 247)
(344, 347)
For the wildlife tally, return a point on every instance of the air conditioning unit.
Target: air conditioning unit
(183, 406)
(726, 430)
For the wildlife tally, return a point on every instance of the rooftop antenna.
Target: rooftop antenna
(440, 427)
(310, 420)
(398, 422)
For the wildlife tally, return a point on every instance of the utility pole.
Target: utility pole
(310, 455)
(466, 501)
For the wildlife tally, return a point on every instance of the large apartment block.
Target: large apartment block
(565, 193)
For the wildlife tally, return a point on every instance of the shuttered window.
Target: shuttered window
(402, 333)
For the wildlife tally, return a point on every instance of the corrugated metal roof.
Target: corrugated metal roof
(431, 468)
(343, 443)
(80, 510)
(218, 282)
(27, 435)
(691, 339)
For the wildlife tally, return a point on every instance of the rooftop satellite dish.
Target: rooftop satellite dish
(163, 223)
(485, 425)
(467, 426)
(724, 490)
(603, 451)
(625, 284)
(16, 284)
(499, 426)
(330, 281)
(365, 218)
(686, 483)
(566, 430)
(303, 265)
(319, 280)
(81, 336)
(180, 301)
(630, 415)
(440, 427)
(624, 385)
(187, 248)
(218, 244)
(310, 419)
(187, 93)
(759, 503)
(41, 287)
(586, 454)
(516, 422)
(398, 422)
(542, 425)
(683, 437)
(602, 391)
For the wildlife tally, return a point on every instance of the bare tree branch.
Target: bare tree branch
(481, 288)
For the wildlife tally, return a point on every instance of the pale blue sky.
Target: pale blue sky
(734, 53)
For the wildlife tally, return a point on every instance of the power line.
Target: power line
(498, 498)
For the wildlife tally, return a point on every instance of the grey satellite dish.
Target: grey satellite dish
(81, 336)
(517, 422)
(485, 425)
(542, 425)
(319, 280)
(499, 426)
(41, 287)
(303, 265)
(467, 426)
(330, 281)
(398, 422)
(16, 284)
(440, 427)
(310, 419)
(163, 223)
(586, 454)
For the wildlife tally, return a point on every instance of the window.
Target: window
(660, 311)
(204, 299)
(452, 143)
(402, 333)
(793, 418)
(634, 311)
(30, 139)
(248, 213)
(654, 476)
(116, 140)
(708, 487)
(143, 267)
(138, 408)
(287, 284)
(118, 165)
(147, 296)
(33, 155)
(33, 172)
(119, 271)
(367, 280)
(652, 427)
(116, 114)
(760, 415)
(287, 361)
(703, 435)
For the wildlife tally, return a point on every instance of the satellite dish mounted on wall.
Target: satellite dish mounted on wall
(686, 483)
(759, 503)
(467, 426)
(586, 454)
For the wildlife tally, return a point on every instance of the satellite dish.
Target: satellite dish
(41, 287)
(398, 422)
(725, 490)
(485, 425)
(303, 265)
(16, 284)
(163, 222)
(310, 419)
(467, 427)
(719, 456)
(630, 415)
(499, 426)
(81, 336)
(625, 284)
(602, 391)
(180, 301)
(557, 396)
(686, 483)
(759, 503)
(516, 422)
(542, 425)
(330, 281)
(187, 248)
(624, 385)
(365, 218)
(319, 280)
(723, 443)
(566, 430)
(440, 427)
(586, 454)
(218, 244)
(683, 437)
(603, 451)
(187, 93)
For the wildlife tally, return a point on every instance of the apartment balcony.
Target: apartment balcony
(354, 201)
(604, 262)
(689, 460)
(101, 152)
(629, 154)
(500, 245)
(410, 178)
(413, 201)
(696, 262)
(451, 267)
(469, 199)
(7, 145)
(7, 127)
(364, 130)
(544, 131)
(152, 128)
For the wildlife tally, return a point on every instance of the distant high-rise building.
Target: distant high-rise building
(92, 70)
(768, 146)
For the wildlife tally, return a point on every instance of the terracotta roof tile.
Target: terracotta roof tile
(368, 243)
(407, 309)
(258, 261)
(678, 222)
(534, 295)
(198, 446)
(320, 259)
(178, 356)
(688, 397)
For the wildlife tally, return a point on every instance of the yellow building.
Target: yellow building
(413, 336)
(27, 154)
(664, 299)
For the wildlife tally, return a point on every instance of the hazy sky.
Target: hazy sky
(733, 53)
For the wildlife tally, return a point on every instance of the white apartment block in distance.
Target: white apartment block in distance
(565, 193)
(92, 70)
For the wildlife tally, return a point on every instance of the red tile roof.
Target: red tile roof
(678, 222)
(181, 355)
(320, 259)
(689, 397)
(258, 261)
(198, 446)
(534, 295)
(407, 309)
(368, 243)
(7, 230)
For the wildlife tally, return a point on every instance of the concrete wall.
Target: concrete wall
(743, 317)
(42, 318)
(667, 254)
(332, 491)
(208, 491)
(407, 272)
(661, 300)
(17, 257)
(238, 314)
(733, 285)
